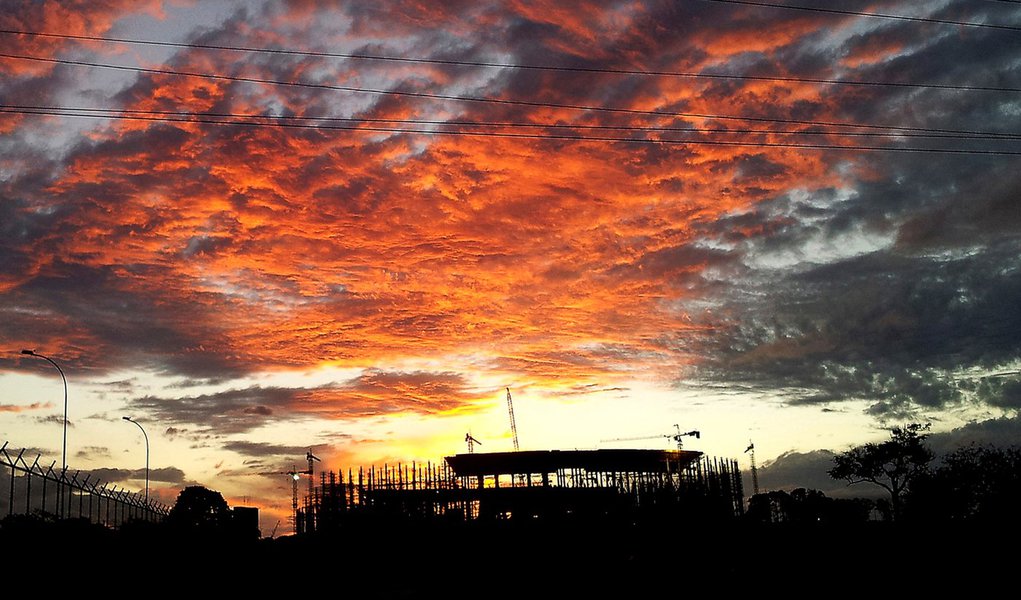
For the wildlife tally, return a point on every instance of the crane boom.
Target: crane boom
(677, 437)
(636, 439)
(513, 424)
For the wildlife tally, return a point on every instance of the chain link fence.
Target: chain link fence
(31, 487)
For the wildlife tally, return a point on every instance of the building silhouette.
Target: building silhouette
(624, 485)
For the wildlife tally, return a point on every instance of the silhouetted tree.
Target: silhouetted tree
(803, 506)
(976, 483)
(200, 510)
(768, 507)
(892, 465)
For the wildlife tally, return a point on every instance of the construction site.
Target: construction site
(638, 486)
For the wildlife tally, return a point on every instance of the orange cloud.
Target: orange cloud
(76, 17)
(237, 249)
(17, 408)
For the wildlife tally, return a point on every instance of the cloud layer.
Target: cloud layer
(213, 252)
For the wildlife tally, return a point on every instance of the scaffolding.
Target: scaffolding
(547, 485)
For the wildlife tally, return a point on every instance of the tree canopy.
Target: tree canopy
(804, 506)
(892, 465)
(201, 509)
(974, 483)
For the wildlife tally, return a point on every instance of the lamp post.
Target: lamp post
(130, 420)
(63, 455)
(63, 458)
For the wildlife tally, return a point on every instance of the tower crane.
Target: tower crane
(310, 499)
(513, 424)
(295, 476)
(755, 471)
(311, 480)
(471, 442)
(678, 437)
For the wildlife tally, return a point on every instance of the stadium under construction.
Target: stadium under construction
(622, 485)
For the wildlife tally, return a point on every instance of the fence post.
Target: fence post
(123, 504)
(7, 458)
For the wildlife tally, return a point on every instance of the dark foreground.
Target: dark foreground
(497, 560)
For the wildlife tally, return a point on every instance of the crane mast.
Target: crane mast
(295, 475)
(513, 424)
(755, 471)
(311, 480)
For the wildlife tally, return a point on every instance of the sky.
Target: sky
(263, 227)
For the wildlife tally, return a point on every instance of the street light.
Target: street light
(63, 459)
(130, 420)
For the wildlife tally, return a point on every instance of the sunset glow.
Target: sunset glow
(365, 267)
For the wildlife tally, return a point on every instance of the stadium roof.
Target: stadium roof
(550, 461)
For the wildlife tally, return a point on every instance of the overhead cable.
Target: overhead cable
(476, 99)
(533, 136)
(518, 66)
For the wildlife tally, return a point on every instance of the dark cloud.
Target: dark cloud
(263, 449)
(165, 474)
(231, 411)
(171, 475)
(271, 460)
(29, 452)
(888, 325)
(93, 452)
(672, 264)
(124, 385)
(1003, 432)
(57, 419)
(592, 388)
(1000, 393)
(376, 392)
(793, 469)
(127, 322)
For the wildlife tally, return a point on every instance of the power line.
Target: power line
(476, 99)
(473, 63)
(113, 112)
(837, 11)
(533, 136)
